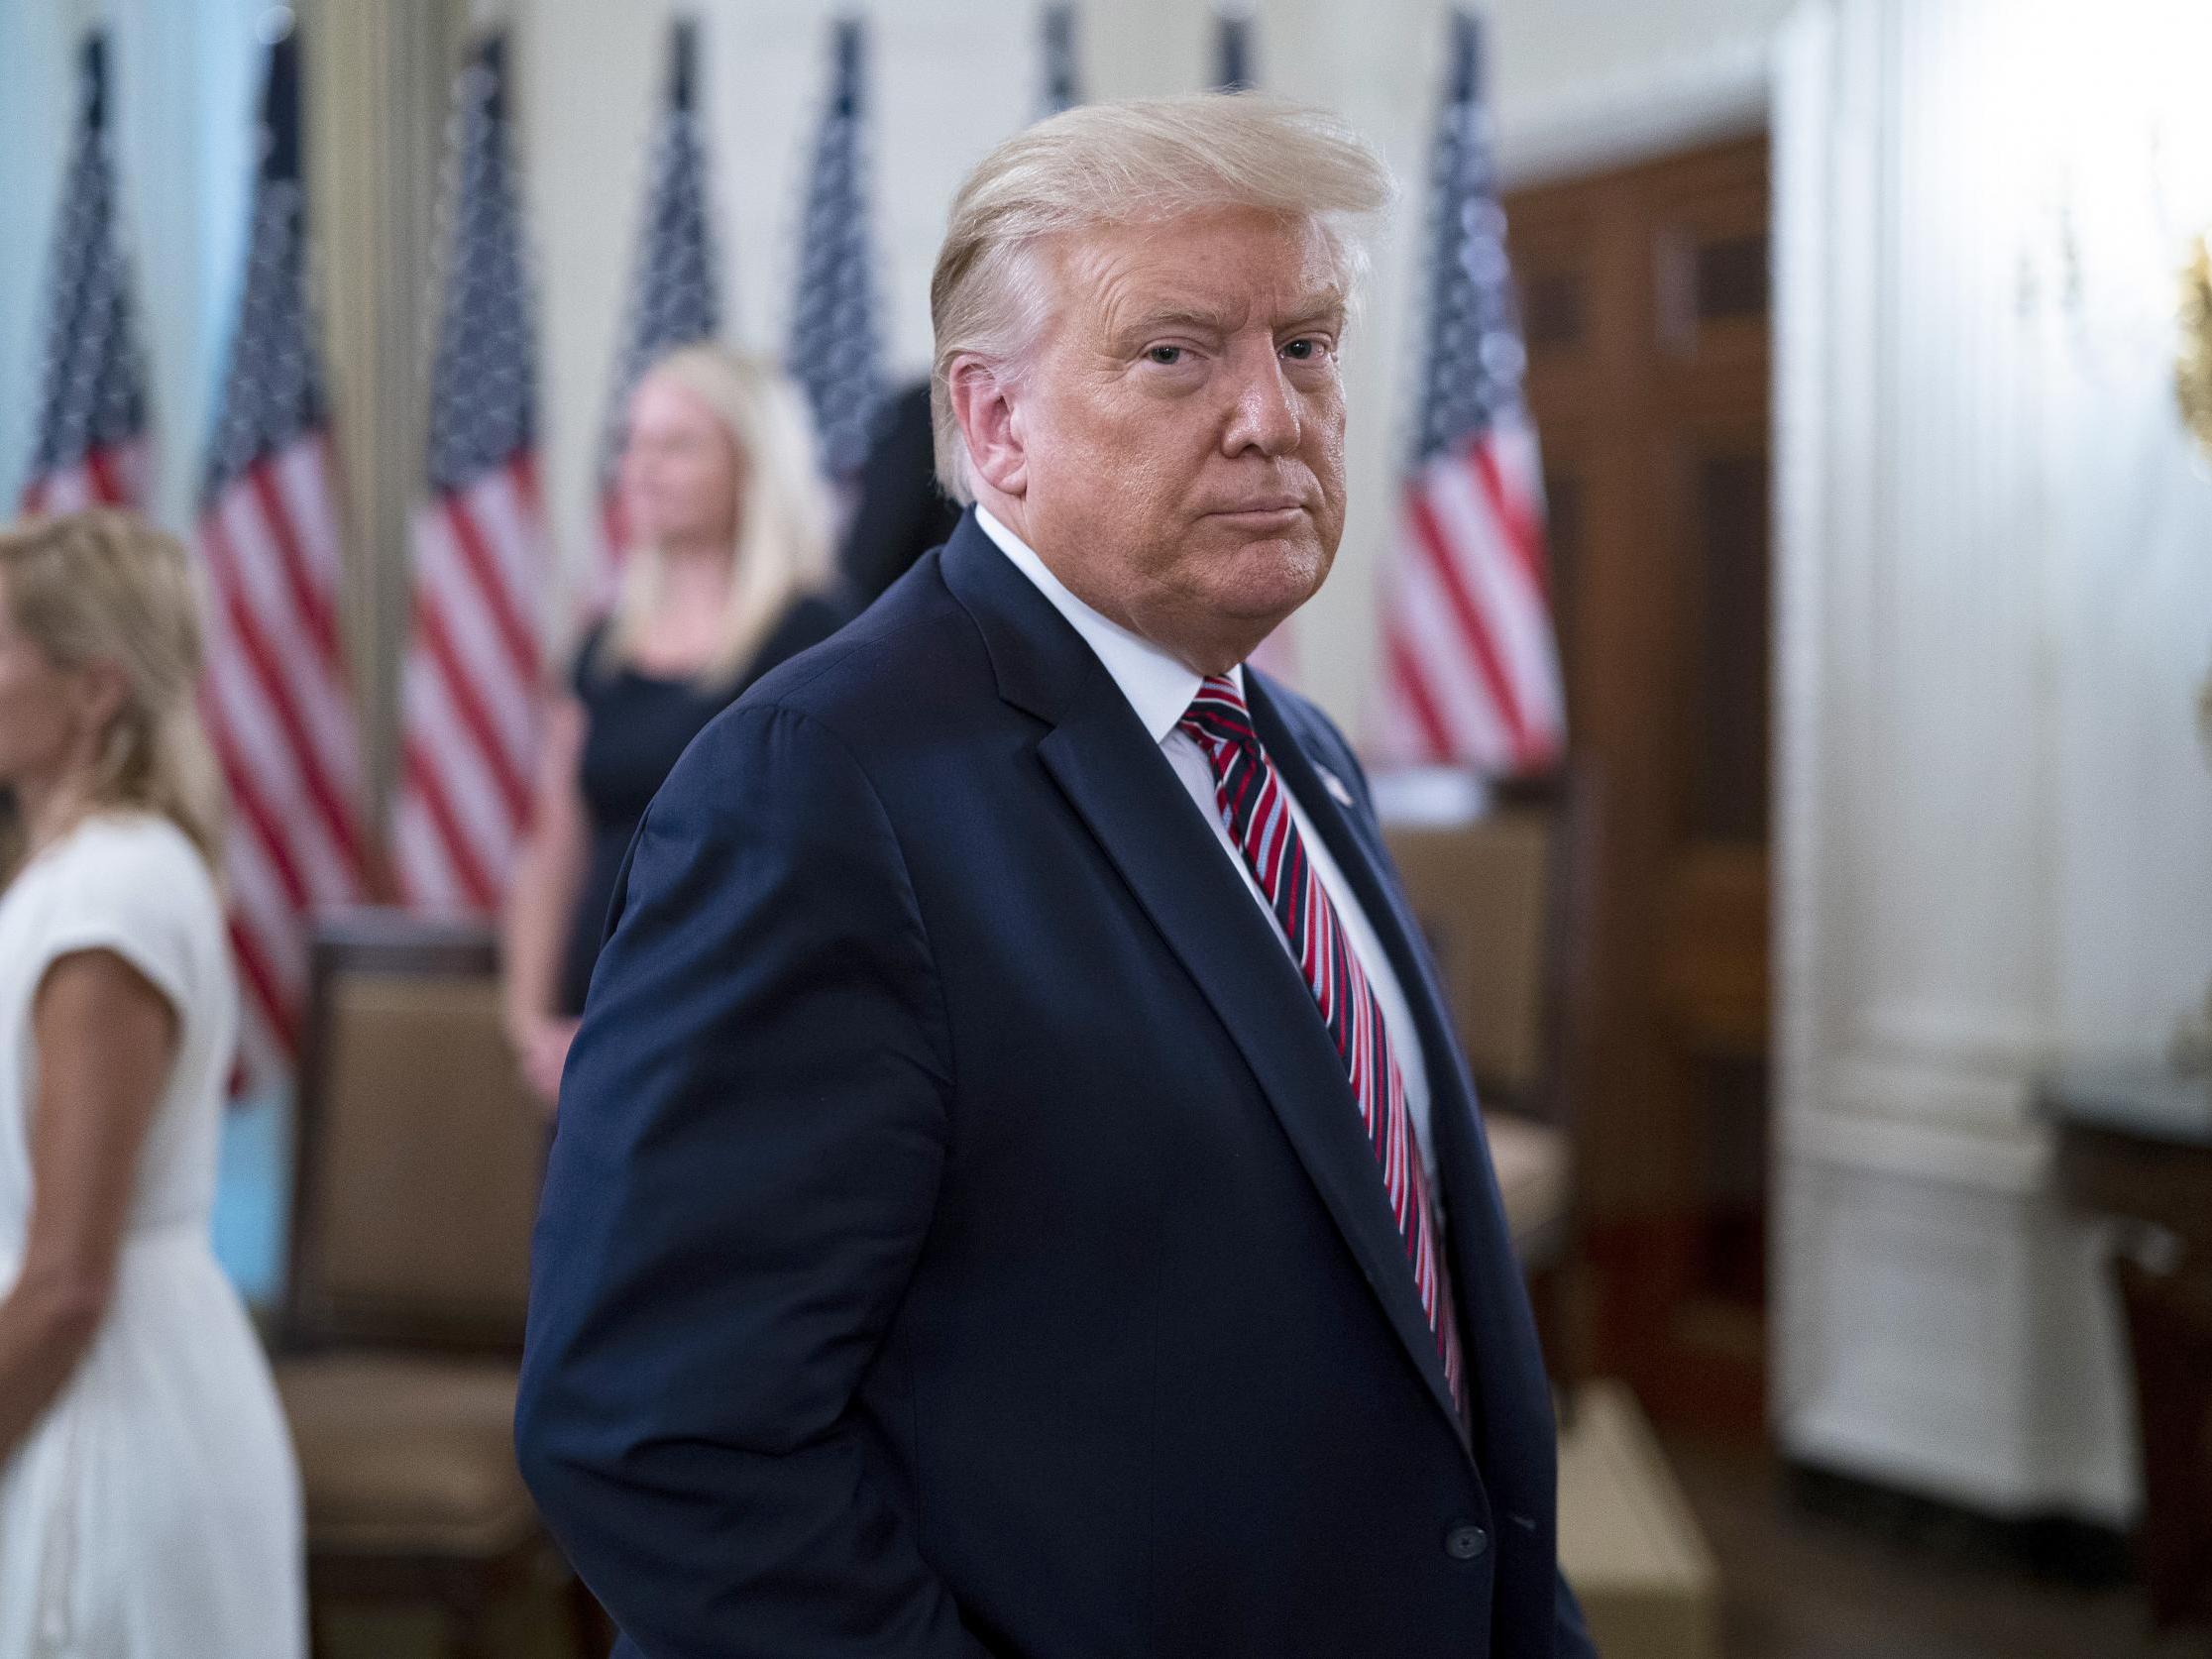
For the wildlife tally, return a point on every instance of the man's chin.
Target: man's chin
(1268, 580)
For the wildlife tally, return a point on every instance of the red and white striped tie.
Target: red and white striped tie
(1256, 810)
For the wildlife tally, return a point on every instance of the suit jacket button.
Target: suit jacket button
(1465, 1544)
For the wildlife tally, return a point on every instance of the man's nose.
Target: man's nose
(1266, 414)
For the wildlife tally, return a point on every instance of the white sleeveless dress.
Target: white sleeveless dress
(154, 1511)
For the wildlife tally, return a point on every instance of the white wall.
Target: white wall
(1995, 608)
(1556, 51)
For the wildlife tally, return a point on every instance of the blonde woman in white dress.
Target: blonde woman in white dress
(149, 1497)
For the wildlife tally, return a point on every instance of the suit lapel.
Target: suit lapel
(1484, 1265)
(1120, 786)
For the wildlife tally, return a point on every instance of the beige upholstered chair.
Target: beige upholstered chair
(417, 1162)
(1500, 899)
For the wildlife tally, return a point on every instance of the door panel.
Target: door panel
(1646, 296)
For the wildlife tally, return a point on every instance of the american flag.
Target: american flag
(835, 352)
(91, 444)
(1471, 670)
(469, 686)
(276, 698)
(676, 293)
(1233, 53)
(1059, 59)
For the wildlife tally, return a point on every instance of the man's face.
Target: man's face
(1181, 426)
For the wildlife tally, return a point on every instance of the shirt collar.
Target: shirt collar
(1158, 684)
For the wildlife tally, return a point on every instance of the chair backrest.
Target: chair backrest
(418, 1152)
(1499, 900)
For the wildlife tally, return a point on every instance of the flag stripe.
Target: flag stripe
(427, 792)
(1504, 598)
(260, 902)
(270, 954)
(284, 696)
(1524, 534)
(464, 716)
(261, 982)
(251, 556)
(271, 513)
(475, 825)
(106, 476)
(504, 506)
(456, 638)
(428, 882)
(1438, 652)
(507, 669)
(242, 725)
(1451, 577)
(1412, 688)
(249, 805)
(491, 589)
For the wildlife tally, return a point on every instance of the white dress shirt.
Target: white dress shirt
(1159, 688)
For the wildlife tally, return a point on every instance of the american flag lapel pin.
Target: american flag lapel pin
(1334, 786)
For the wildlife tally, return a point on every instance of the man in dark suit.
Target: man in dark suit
(902, 511)
(1016, 1191)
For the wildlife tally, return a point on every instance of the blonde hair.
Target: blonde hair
(1142, 161)
(104, 587)
(781, 549)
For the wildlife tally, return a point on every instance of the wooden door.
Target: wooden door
(1645, 299)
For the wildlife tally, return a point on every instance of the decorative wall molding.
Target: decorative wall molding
(1959, 1036)
(1952, 1340)
(1852, 1135)
(1972, 1072)
(1990, 822)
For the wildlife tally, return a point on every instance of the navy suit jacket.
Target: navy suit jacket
(959, 1238)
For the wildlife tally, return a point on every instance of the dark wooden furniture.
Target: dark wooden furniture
(2135, 1143)
(417, 1159)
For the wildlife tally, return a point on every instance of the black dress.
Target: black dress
(636, 725)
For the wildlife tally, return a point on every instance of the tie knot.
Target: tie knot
(1217, 714)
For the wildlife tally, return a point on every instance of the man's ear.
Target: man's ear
(984, 406)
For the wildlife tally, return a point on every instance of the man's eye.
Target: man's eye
(1165, 356)
(1304, 351)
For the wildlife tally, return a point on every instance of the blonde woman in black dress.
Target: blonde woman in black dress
(731, 572)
